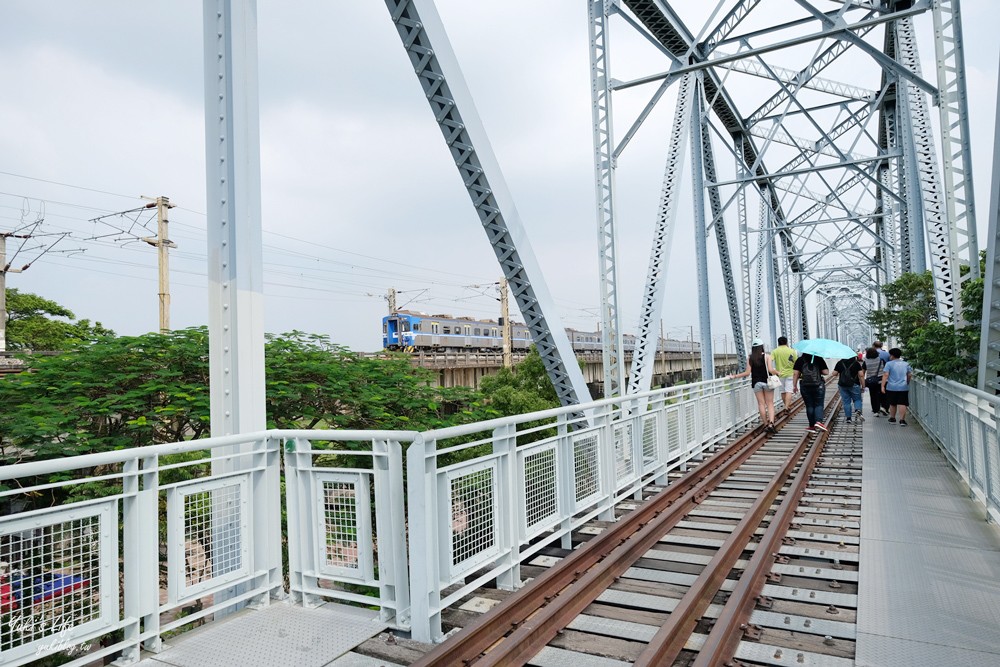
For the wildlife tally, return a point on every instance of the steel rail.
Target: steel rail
(669, 641)
(513, 632)
(724, 639)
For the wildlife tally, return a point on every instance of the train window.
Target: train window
(385, 327)
(493, 332)
(476, 331)
(447, 330)
(416, 326)
(468, 329)
(404, 325)
(435, 327)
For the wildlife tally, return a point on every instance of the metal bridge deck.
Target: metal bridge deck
(929, 591)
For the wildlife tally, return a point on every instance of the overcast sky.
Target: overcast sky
(103, 102)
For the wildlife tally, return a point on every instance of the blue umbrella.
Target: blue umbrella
(824, 347)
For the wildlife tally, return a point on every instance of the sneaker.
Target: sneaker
(821, 426)
(810, 429)
(884, 411)
(902, 422)
(878, 414)
(770, 428)
(848, 421)
(892, 420)
(858, 416)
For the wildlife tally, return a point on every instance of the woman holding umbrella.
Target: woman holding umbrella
(809, 371)
(759, 368)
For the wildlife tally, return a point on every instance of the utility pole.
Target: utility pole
(163, 245)
(161, 242)
(4, 270)
(506, 331)
(391, 298)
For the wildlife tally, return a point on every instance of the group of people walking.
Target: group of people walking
(883, 374)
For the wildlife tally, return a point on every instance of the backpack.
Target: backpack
(848, 374)
(811, 374)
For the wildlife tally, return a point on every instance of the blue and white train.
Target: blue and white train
(409, 331)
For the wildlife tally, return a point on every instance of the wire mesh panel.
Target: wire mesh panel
(586, 469)
(58, 579)
(673, 429)
(624, 464)
(343, 525)
(650, 441)
(690, 425)
(540, 485)
(209, 535)
(471, 513)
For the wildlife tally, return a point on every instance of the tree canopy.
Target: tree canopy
(131, 391)
(910, 316)
(37, 323)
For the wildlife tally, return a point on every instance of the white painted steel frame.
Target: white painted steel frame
(644, 355)
(604, 180)
(437, 70)
(701, 232)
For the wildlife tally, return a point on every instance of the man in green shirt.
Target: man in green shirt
(784, 361)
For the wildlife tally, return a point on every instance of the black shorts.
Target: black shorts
(898, 397)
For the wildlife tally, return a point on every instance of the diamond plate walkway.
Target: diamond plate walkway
(279, 634)
(929, 591)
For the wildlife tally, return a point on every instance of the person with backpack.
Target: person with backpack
(759, 368)
(896, 385)
(808, 381)
(850, 378)
(873, 366)
(784, 362)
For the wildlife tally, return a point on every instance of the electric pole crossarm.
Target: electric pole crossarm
(426, 43)
(652, 303)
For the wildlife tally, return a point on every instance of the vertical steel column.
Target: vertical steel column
(803, 312)
(701, 233)
(604, 168)
(235, 266)
(772, 282)
(722, 242)
(741, 204)
(763, 230)
(989, 341)
(650, 320)
(959, 195)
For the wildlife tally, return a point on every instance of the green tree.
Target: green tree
(525, 389)
(140, 390)
(910, 304)
(37, 323)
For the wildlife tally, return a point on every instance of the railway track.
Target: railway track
(751, 558)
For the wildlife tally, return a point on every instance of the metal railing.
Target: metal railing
(104, 554)
(963, 421)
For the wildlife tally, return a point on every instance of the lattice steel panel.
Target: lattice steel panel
(650, 441)
(539, 475)
(690, 423)
(586, 468)
(472, 498)
(624, 463)
(344, 525)
(58, 579)
(208, 531)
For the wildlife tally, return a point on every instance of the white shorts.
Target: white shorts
(786, 385)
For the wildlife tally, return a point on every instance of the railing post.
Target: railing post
(266, 519)
(140, 521)
(390, 526)
(566, 476)
(425, 561)
(510, 503)
(662, 440)
(301, 544)
(606, 437)
(636, 411)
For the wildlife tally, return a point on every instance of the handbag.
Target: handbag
(773, 382)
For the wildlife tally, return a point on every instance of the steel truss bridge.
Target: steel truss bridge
(817, 192)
